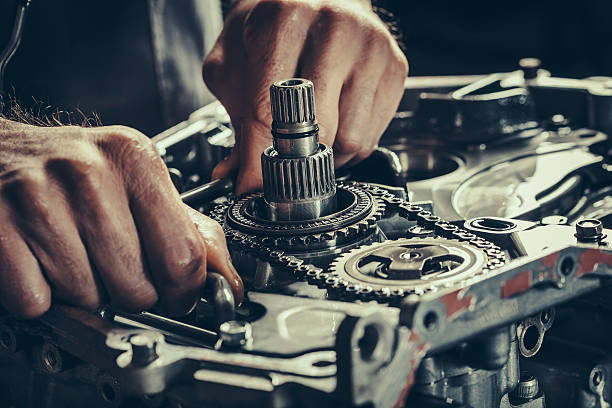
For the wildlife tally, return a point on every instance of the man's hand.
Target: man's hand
(356, 66)
(89, 216)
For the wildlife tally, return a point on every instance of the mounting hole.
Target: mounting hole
(108, 392)
(292, 82)
(597, 378)
(430, 321)
(368, 342)
(531, 338)
(493, 224)
(567, 266)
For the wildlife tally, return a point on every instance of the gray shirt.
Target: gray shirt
(135, 62)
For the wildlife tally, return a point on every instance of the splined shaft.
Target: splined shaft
(298, 171)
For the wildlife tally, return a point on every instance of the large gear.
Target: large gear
(406, 266)
(358, 213)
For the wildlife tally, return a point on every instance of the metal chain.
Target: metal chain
(342, 289)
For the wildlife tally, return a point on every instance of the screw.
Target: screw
(527, 388)
(589, 230)
(235, 333)
(143, 350)
(530, 67)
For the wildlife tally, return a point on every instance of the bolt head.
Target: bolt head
(235, 333)
(527, 388)
(589, 230)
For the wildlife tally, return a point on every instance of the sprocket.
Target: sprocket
(396, 268)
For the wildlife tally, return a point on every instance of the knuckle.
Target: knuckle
(399, 65)
(85, 172)
(185, 266)
(347, 145)
(330, 17)
(123, 137)
(212, 72)
(86, 301)
(379, 42)
(29, 307)
(264, 12)
(140, 297)
(26, 191)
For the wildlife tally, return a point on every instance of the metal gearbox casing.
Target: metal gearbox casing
(464, 264)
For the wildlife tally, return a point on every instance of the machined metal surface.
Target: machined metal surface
(298, 171)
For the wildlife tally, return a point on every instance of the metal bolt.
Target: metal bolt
(527, 388)
(143, 349)
(530, 67)
(589, 230)
(235, 333)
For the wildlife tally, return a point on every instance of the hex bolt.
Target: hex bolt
(527, 389)
(143, 350)
(530, 67)
(235, 333)
(589, 230)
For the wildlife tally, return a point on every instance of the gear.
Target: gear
(397, 268)
(359, 211)
(383, 271)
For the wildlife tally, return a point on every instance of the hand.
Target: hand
(89, 216)
(357, 68)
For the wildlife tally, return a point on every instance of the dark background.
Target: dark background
(572, 38)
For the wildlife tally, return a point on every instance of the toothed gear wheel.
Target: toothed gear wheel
(390, 270)
(359, 212)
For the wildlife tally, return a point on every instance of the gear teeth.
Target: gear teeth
(343, 232)
(393, 295)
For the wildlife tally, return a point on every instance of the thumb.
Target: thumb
(227, 166)
(255, 138)
(217, 254)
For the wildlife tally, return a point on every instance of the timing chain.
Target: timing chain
(343, 289)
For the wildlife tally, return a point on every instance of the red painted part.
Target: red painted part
(520, 283)
(420, 350)
(589, 260)
(550, 260)
(454, 304)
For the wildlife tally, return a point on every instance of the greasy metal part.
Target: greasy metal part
(143, 350)
(589, 230)
(451, 375)
(527, 388)
(224, 304)
(293, 108)
(531, 331)
(481, 256)
(151, 320)
(408, 266)
(209, 191)
(527, 393)
(234, 333)
(357, 215)
(556, 268)
(298, 172)
(299, 188)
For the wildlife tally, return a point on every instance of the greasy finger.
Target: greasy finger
(174, 249)
(45, 220)
(267, 64)
(217, 254)
(23, 289)
(331, 34)
(107, 229)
